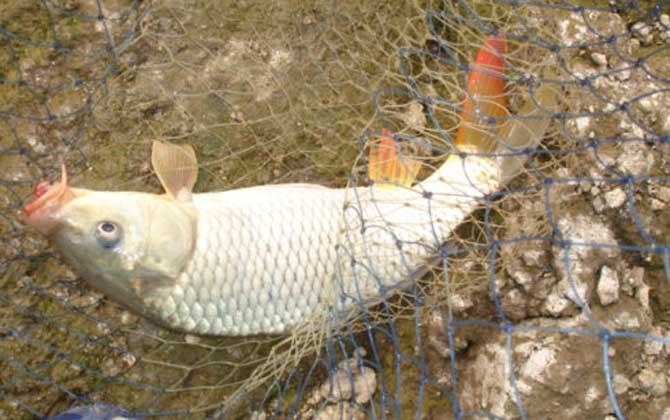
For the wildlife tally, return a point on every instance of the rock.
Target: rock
(514, 305)
(533, 257)
(192, 339)
(657, 204)
(665, 21)
(348, 382)
(620, 383)
(128, 360)
(485, 381)
(582, 125)
(551, 371)
(437, 337)
(633, 46)
(642, 31)
(258, 415)
(663, 193)
(622, 74)
(415, 117)
(646, 105)
(615, 198)
(642, 296)
(653, 382)
(577, 272)
(631, 280)
(461, 303)
(340, 411)
(665, 125)
(128, 318)
(598, 204)
(521, 277)
(608, 286)
(653, 347)
(600, 60)
(635, 159)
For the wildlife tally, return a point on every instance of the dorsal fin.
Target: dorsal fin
(389, 168)
(176, 167)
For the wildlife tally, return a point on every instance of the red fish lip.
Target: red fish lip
(47, 195)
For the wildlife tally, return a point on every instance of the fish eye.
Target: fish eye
(108, 234)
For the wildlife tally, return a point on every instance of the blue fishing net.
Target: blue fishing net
(551, 300)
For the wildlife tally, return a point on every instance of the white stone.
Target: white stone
(415, 117)
(665, 126)
(615, 198)
(623, 74)
(536, 365)
(349, 381)
(532, 257)
(608, 286)
(653, 347)
(620, 384)
(653, 382)
(339, 411)
(642, 31)
(592, 395)
(599, 59)
(582, 124)
(556, 304)
(642, 296)
(646, 104)
(192, 339)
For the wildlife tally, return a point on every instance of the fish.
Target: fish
(268, 259)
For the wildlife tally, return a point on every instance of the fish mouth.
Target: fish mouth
(48, 200)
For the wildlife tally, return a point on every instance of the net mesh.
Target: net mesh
(550, 300)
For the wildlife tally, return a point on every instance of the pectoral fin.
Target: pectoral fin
(177, 168)
(387, 166)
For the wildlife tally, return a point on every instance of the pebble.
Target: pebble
(633, 46)
(620, 384)
(665, 21)
(642, 31)
(608, 286)
(599, 59)
(622, 74)
(653, 347)
(460, 303)
(615, 198)
(646, 105)
(598, 204)
(348, 382)
(665, 126)
(128, 360)
(642, 296)
(582, 124)
(634, 277)
(127, 318)
(192, 339)
(340, 411)
(532, 257)
(415, 117)
(653, 382)
(657, 204)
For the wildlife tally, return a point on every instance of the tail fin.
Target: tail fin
(485, 99)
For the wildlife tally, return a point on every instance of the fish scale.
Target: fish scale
(290, 256)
